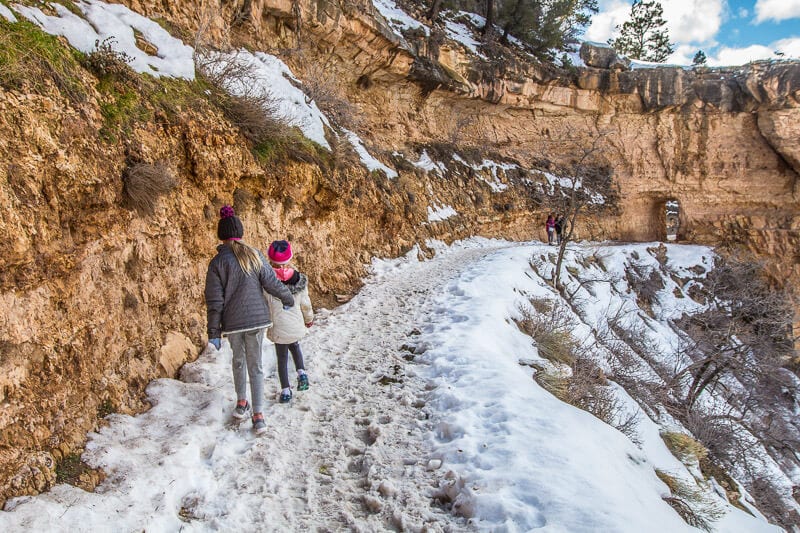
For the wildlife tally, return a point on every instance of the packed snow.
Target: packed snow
(115, 25)
(420, 415)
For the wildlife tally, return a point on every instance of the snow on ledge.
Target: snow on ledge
(366, 158)
(7, 14)
(270, 76)
(438, 213)
(462, 34)
(398, 19)
(117, 23)
(429, 165)
(496, 185)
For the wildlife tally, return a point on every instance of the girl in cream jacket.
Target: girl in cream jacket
(289, 324)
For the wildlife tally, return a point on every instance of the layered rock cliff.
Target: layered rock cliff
(99, 299)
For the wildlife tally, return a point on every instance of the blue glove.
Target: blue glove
(215, 343)
(287, 307)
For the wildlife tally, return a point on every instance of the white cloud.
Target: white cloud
(693, 21)
(683, 54)
(790, 47)
(739, 56)
(777, 10)
(742, 13)
(727, 56)
(688, 21)
(612, 13)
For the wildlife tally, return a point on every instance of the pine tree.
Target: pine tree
(546, 26)
(699, 59)
(644, 36)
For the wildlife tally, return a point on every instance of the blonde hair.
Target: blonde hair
(248, 257)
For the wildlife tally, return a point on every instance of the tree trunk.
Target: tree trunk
(487, 28)
(433, 12)
(700, 385)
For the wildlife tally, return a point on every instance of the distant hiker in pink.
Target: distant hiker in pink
(236, 309)
(289, 325)
(550, 225)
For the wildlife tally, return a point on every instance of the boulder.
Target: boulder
(602, 56)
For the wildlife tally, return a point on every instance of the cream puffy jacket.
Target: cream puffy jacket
(289, 325)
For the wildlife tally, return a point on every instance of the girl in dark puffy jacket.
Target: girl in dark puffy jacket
(236, 309)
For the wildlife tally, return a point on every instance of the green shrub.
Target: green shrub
(70, 468)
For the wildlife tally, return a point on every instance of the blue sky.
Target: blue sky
(730, 32)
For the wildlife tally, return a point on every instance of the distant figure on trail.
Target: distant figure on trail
(559, 228)
(550, 225)
(236, 309)
(289, 325)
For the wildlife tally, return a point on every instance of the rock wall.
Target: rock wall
(98, 300)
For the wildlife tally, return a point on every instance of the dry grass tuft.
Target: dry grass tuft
(144, 184)
(684, 447)
(694, 507)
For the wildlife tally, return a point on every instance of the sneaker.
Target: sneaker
(241, 409)
(302, 382)
(259, 426)
(286, 396)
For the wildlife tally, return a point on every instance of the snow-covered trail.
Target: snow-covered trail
(350, 453)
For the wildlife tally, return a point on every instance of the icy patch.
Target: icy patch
(366, 158)
(116, 23)
(272, 78)
(437, 212)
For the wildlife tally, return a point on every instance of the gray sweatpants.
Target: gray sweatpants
(246, 347)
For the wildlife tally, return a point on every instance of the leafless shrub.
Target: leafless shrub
(744, 333)
(241, 96)
(772, 503)
(717, 434)
(319, 84)
(106, 61)
(635, 339)
(144, 183)
(253, 116)
(646, 282)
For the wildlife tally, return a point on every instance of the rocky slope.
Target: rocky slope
(98, 299)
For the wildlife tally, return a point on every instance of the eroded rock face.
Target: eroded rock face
(97, 300)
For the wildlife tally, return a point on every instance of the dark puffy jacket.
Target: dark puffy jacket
(234, 300)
